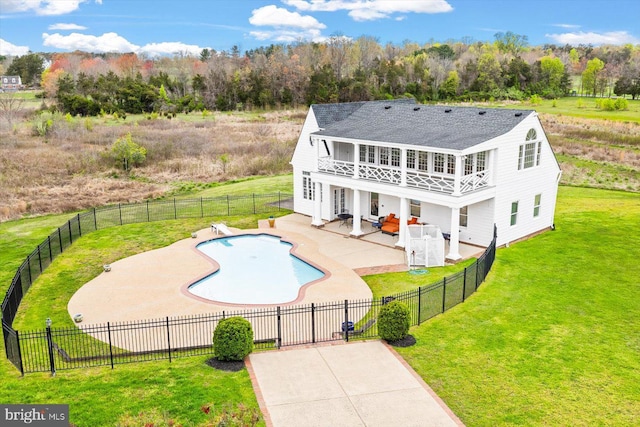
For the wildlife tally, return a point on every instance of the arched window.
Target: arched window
(532, 135)
(529, 154)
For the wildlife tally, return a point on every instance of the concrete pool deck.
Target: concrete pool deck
(150, 285)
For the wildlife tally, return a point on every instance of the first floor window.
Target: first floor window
(514, 213)
(464, 216)
(536, 205)
(414, 208)
(308, 187)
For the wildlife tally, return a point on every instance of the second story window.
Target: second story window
(438, 163)
(411, 159)
(384, 156)
(395, 157)
(529, 152)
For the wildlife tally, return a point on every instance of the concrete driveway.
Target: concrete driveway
(348, 384)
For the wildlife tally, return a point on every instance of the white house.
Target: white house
(461, 168)
(10, 83)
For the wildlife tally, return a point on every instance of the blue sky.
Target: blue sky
(161, 27)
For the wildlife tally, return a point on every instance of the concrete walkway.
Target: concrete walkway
(355, 384)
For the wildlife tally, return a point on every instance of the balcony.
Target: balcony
(440, 183)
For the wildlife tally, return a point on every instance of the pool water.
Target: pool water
(254, 269)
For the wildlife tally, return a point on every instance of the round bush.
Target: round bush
(393, 321)
(233, 339)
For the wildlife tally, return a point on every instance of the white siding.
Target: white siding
(479, 229)
(436, 214)
(304, 159)
(522, 185)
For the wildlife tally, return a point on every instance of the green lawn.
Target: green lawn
(553, 336)
(578, 107)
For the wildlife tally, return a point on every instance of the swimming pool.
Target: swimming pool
(254, 269)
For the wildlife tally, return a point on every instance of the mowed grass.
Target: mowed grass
(553, 336)
(577, 107)
(101, 396)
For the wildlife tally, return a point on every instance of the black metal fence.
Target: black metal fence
(169, 338)
(121, 214)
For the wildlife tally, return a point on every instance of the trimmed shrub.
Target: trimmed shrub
(233, 339)
(394, 321)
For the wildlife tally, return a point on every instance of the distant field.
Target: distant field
(70, 167)
(576, 106)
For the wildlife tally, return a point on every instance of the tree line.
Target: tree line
(338, 70)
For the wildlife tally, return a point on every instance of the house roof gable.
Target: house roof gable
(455, 128)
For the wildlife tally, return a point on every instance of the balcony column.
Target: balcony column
(458, 177)
(356, 161)
(356, 229)
(317, 206)
(404, 217)
(403, 167)
(454, 241)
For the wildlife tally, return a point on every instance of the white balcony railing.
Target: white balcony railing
(380, 174)
(335, 167)
(431, 182)
(417, 179)
(474, 181)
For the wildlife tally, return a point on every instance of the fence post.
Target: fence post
(201, 209)
(345, 326)
(148, 214)
(464, 284)
(168, 337)
(79, 226)
(254, 202)
(110, 345)
(228, 207)
(120, 210)
(70, 234)
(50, 345)
(279, 201)
(279, 328)
(313, 323)
(477, 272)
(444, 292)
(419, 302)
(19, 352)
(49, 243)
(60, 239)
(175, 209)
(39, 259)
(95, 220)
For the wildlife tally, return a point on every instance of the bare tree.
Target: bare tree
(11, 106)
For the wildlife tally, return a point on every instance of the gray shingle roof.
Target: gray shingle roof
(454, 128)
(327, 114)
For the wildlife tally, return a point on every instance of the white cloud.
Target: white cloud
(289, 36)
(43, 7)
(67, 27)
(170, 48)
(581, 37)
(108, 42)
(368, 10)
(11, 49)
(274, 16)
(567, 26)
(112, 42)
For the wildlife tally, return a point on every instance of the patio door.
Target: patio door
(374, 203)
(338, 201)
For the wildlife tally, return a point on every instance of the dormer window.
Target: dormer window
(529, 152)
